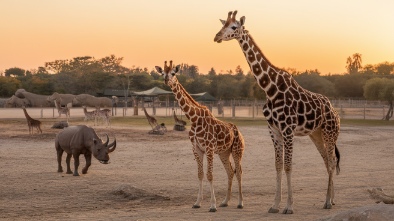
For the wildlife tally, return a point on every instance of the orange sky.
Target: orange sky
(300, 34)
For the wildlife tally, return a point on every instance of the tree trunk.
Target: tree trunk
(389, 112)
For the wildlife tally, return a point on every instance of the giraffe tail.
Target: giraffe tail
(338, 155)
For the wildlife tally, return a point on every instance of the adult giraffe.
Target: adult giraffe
(208, 136)
(290, 111)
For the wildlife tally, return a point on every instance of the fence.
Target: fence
(348, 109)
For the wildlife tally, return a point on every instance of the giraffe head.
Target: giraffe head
(231, 29)
(168, 72)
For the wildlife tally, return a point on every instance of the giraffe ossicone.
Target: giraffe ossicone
(290, 111)
(208, 136)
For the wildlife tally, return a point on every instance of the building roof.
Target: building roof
(152, 92)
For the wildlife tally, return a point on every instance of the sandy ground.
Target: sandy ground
(154, 177)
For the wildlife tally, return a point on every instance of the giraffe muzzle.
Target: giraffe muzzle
(217, 38)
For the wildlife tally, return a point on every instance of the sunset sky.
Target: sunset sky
(301, 34)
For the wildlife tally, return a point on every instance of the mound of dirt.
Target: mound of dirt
(378, 212)
(133, 193)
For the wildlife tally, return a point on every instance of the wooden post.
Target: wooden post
(364, 110)
(233, 108)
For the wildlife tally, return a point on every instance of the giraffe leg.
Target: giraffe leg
(209, 153)
(327, 151)
(237, 156)
(278, 145)
(225, 158)
(288, 149)
(199, 156)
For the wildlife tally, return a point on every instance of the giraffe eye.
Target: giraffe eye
(234, 28)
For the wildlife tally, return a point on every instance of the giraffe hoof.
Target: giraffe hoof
(272, 210)
(327, 206)
(240, 206)
(287, 211)
(223, 205)
(212, 210)
(195, 206)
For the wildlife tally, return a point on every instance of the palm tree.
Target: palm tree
(353, 65)
(357, 61)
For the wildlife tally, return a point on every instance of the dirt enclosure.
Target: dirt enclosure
(154, 177)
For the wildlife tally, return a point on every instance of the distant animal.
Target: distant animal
(34, 100)
(62, 110)
(65, 99)
(104, 114)
(178, 121)
(89, 115)
(151, 120)
(32, 123)
(81, 139)
(15, 101)
(92, 101)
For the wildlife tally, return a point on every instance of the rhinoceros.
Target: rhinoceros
(81, 139)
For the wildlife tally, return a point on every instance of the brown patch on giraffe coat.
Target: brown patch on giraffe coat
(256, 69)
(272, 90)
(264, 81)
(245, 46)
(272, 74)
(251, 56)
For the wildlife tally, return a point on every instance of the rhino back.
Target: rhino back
(69, 137)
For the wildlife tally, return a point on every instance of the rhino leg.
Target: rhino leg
(76, 163)
(88, 157)
(59, 160)
(68, 159)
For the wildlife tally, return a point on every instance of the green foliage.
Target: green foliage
(14, 72)
(312, 81)
(87, 74)
(350, 85)
(379, 89)
(8, 86)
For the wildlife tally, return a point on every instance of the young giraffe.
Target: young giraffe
(290, 111)
(32, 123)
(177, 120)
(208, 136)
(152, 121)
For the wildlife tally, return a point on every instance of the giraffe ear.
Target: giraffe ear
(159, 69)
(222, 21)
(242, 20)
(177, 68)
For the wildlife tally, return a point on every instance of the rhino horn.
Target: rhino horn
(106, 142)
(110, 145)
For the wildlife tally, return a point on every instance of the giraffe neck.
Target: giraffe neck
(26, 115)
(270, 78)
(188, 105)
(146, 113)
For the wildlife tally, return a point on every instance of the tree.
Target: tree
(312, 81)
(353, 65)
(8, 86)
(385, 68)
(350, 85)
(212, 73)
(381, 89)
(14, 72)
